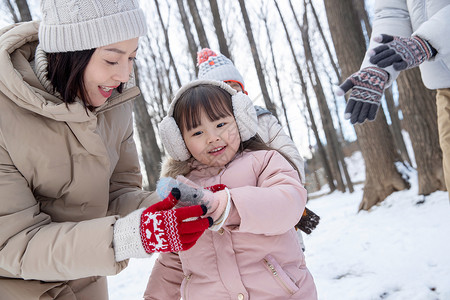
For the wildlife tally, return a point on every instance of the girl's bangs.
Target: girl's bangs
(212, 100)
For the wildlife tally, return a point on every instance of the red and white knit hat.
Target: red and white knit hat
(217, 67)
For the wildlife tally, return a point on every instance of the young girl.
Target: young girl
(253, 251)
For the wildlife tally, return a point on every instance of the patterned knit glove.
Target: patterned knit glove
(215, 197)
(159, 228)
(367, 89)
(401, 53)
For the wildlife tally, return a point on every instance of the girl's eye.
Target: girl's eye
(111, 62)
(197, 133)
(221, 125)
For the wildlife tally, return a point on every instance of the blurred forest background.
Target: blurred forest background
(290, 53)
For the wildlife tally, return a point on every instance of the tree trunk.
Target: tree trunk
(327, 122)
(341, 137)
(24, 10)
(198, 24)
(321, 149)
(327, 47)
(374, 138)
(362, 15)
(419, 116)
(167, 43)
(277, 78)
(151, 153)
(219, 29)
(189, 36)
(166, 78)
(262, 81)
(396, 126)
(12, 11)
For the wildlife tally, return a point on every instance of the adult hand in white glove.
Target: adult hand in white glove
(159, 228)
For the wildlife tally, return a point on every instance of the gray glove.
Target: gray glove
(367, 89)
(401, 53)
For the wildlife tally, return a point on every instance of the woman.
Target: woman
(69, 168)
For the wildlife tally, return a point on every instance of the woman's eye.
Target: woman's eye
(111, 62)
(132, 58)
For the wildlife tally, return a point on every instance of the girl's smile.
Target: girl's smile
(213, 143)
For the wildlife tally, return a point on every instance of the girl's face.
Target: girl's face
(108, 67)
(213, 143)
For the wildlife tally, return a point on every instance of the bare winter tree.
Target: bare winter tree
(337, 163)
(321, 148)
(419, 119)
(263, 17)
(396, 127)
(24, 10)
(419, 116)
(262, 81)
(198, 24)
(12, 11)
(374, 138)
(187, 30)
(167, 43)
(223, 45)
(151, 154)
(327, 47)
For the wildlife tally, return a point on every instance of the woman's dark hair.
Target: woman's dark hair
(65, 72)
(216, 103)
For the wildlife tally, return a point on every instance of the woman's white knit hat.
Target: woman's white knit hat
(75, 25)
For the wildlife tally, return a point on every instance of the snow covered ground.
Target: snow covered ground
(398, 250)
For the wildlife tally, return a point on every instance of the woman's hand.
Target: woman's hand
(159, 228)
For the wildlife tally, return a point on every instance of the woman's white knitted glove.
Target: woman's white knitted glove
(159, 228)
(127, 238)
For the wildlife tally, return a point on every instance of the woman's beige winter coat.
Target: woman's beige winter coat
(66, 175)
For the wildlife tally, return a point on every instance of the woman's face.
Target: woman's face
(108, 67)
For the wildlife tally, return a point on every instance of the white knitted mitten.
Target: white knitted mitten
(127, 238)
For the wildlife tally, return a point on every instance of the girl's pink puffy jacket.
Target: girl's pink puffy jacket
(256, 254)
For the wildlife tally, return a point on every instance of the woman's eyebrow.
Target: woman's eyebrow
(116, 50)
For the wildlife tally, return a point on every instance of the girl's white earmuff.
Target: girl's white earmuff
(243, 110)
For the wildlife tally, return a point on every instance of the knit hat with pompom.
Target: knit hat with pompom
(217, 67)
